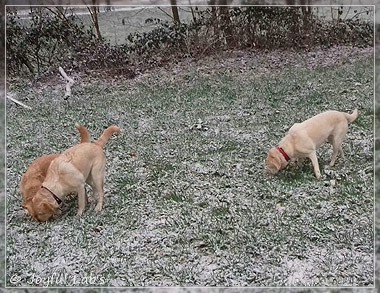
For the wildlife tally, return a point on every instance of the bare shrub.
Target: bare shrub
(52, 38)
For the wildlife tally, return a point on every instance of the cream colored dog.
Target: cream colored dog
(68, 173)
(303, 140)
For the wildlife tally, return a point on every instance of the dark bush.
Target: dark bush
(36, 47)
(252, 26)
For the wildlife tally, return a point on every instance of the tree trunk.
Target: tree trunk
(108, 3)
(306, 12)
(225, 20)
(174, 6)
(94, 15)
(214, 17)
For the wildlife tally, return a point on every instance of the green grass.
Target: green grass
(187, 201)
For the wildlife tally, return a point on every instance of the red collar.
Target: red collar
(283, 153)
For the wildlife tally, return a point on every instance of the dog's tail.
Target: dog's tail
(83, 132)
(351, 117)
(107, 135)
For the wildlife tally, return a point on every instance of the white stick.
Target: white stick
(18, 102)
(70, 82)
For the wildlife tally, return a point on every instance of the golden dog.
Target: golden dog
(303, 140)
(35, 174)
(68, 173)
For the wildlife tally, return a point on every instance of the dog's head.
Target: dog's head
(273, 162)
(42, 207)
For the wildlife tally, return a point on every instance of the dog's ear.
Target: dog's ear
(46, 211)
(28, 208)
(277, 163)
(273, 162)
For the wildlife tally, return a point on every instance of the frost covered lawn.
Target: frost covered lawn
(187, 201)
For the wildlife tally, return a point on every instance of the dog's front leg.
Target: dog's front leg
(314, 161)
(99, 205)
(82, 198)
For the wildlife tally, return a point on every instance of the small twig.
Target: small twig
(360, 12)
(192, 13)
(69, 83)
(159, 8)
(348, 10)
(18, 102)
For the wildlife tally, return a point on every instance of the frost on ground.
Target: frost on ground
(187, 200)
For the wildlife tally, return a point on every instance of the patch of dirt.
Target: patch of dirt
(263, 62)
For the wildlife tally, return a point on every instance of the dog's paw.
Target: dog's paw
(80, 213)
(98, 208)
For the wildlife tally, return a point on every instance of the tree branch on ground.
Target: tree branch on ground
(69, 83)
(18, 102)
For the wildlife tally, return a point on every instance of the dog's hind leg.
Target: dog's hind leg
(96, 181)
(99, 190)
(337, 149)
(336, 140)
